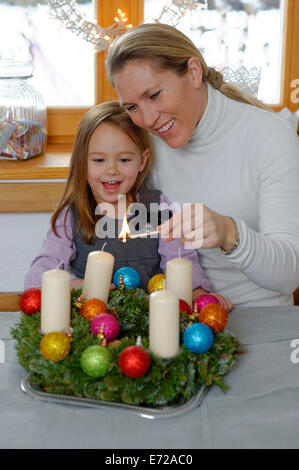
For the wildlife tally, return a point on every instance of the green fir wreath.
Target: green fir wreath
(167, 382)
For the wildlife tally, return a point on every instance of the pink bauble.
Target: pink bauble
(204, 299)
(111, 326)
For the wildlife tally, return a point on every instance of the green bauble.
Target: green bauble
(95, 361)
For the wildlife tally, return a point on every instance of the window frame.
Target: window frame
(63, 122)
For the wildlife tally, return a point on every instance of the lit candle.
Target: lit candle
(164, 323)
(98, 275)
(179, 278)
(55, 301)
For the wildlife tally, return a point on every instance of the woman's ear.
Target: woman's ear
(195, 71)
(144, 159)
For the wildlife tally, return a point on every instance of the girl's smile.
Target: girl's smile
(114, 162)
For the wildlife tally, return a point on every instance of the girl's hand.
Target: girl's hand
(199, 227)
(77, 283)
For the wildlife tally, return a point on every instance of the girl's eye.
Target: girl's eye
(124, 160)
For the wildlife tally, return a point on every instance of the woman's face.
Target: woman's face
(114, 162)
(165, 104)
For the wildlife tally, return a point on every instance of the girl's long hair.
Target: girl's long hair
(168, 48)
(77, 195)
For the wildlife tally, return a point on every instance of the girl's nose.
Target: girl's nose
(111, 168)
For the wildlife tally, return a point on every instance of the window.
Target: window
(237, 34)
(277, 56)
(63, 63)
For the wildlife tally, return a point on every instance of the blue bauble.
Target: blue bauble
(130, 276)
(198, 338)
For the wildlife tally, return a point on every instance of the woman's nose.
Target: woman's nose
(149, 117)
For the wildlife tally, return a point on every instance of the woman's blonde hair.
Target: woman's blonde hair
(77, 194)
(168, 48)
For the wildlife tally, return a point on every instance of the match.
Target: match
(145, 234)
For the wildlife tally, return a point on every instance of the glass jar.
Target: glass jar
(23, 118)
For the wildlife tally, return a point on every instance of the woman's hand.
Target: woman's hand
(199, 227)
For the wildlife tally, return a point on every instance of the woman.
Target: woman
(218, 146)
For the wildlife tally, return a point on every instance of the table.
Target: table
(260, 410)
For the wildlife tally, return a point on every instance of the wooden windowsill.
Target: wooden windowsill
(17, 194)
(54, 163)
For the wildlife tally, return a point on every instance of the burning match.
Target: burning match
(145, 234)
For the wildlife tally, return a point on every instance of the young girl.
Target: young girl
(111, 158)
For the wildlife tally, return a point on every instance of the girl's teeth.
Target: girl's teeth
(167, 126)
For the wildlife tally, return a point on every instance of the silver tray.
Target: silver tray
(142, 411)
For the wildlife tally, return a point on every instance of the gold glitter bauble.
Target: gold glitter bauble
(213, 315)
(92, 307)
(55, 346)
(156, 283)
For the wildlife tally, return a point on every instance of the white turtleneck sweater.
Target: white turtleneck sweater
(243, 162)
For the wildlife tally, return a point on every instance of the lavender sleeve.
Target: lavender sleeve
(54, 250)
(171, 250)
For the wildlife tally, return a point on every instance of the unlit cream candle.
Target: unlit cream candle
(98, 275)
(179, 278)
(164, 323)
(55, 301)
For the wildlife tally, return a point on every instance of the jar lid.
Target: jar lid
(12, 69)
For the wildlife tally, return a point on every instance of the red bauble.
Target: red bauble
(185, 307)
(134, 362)
(30, 301)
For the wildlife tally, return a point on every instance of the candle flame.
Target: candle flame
(124, 230)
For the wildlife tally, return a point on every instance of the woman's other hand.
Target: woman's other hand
(222, 300)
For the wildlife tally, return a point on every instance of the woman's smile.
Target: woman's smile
(165, 129)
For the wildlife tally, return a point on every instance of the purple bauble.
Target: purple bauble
(111, 326)
(204, 299)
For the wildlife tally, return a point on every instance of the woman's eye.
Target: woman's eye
(154, 96)
(131, 107)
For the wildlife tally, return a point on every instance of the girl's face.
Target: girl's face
(114, 162)
(165, 104)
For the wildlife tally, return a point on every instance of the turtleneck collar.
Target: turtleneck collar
(212, 121)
